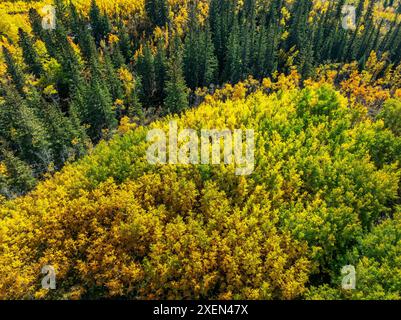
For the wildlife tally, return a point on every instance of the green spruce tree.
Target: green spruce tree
(29, 54)
(14, 71)
(146, 70)
(176, 90)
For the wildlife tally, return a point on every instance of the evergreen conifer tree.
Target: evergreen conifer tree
(14, 71)
(99, 22)
(233, 64)
(157, 11)
(29, 53)
(23, 130)
(176, 90)
(146, 70)
(20, 177)
(160, 67)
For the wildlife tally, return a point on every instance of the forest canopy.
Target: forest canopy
(319, 198)
(78, 193)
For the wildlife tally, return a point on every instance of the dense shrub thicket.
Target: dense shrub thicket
(324, 194)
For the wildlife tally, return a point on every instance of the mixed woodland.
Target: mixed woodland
(76, 190)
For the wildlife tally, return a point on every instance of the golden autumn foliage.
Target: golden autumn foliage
(13, 13)
(112, 225)
(324, 192)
